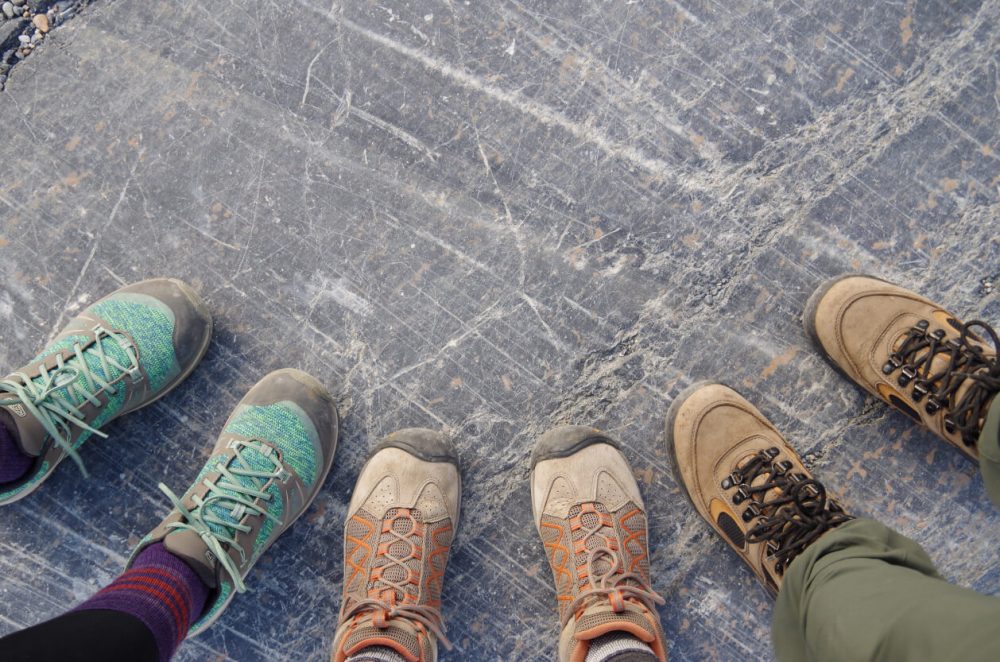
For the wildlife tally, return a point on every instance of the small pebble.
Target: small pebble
(19, 3)
(41, 22)
(24, 39)
(8, 9)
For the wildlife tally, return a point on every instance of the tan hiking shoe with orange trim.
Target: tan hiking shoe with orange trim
(746, 481)
(592, 521)
(397, 540)
(910, 352)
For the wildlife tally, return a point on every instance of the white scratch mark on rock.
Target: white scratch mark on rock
(540, 112)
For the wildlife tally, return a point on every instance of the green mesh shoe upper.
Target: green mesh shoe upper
(265, 469)
(248, 469)
(116, 356)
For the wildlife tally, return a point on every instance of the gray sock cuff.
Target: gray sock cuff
(619, 647)
(377, 654)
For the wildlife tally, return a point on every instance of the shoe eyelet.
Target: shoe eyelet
(732, 480)
(751, 512)
(892, 364)
(906, 375)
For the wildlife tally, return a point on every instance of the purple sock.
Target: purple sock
(13, 463)
(161, 591)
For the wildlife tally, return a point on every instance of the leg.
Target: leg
(83, 636)
(864, 592)
(989, 453)
(143, 615)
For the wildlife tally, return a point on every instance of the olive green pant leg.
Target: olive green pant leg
(866, 593)
(989, 452)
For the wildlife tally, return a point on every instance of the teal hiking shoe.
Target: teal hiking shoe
(267, 467)
(122, 353)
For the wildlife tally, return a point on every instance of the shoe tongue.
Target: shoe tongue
(28, 433)
(600, 619)
(397, 635)
(190, 548)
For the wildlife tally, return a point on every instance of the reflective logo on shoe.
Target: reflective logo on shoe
(893, 397)
(19, 410)
(726, 521)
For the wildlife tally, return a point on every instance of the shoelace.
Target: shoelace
(227, 493)
(386, 609)
(966, 361)
(794, 518)
(55, 411)
(428, 617)
(613, 584)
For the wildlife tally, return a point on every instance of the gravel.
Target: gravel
(25, 24)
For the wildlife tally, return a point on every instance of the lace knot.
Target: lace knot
(938, 368)
(792, 508)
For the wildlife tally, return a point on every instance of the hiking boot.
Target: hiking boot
(910, 352)
(400, 524)
(121, 353)
(746, 481)
(590, 516)
(265, 470)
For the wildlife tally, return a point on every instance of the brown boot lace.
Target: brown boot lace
(791, 520)
(966, 362)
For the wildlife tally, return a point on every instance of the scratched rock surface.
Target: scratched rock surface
(490, 218)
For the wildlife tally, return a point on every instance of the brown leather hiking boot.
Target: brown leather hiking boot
(592, 521)
(746, 480)
(401, 522)
(909, 352)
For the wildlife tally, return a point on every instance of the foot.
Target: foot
(121, 353)
(400, 525)
(746, 481)
(909, 352)
(584, 498)
(266, 468)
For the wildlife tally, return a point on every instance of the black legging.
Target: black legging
(100, 635)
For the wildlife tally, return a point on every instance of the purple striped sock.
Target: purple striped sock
(13, 463)
(161, 591)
